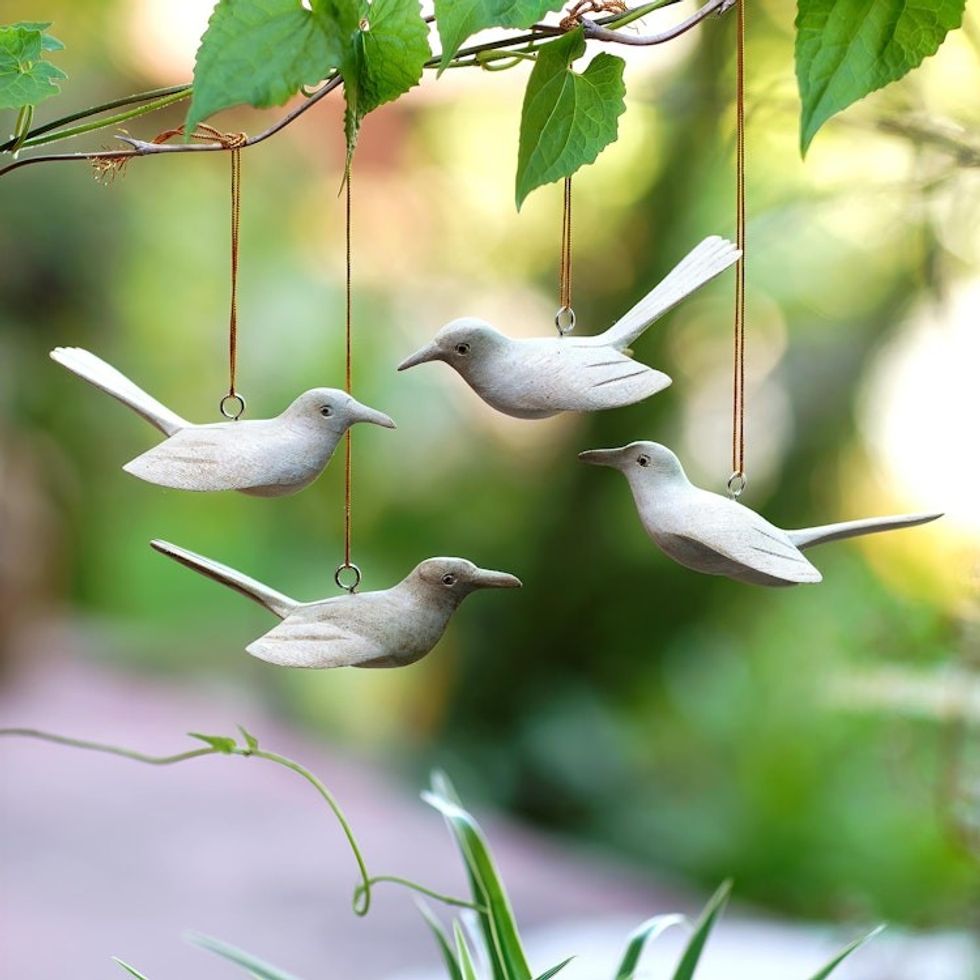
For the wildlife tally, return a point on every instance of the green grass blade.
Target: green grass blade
(466, 967)
(844, 953)
(646, 933)
(497, 922)
(258, 968)
(695, 946)
(555, 970)
(442, 941)
(131, 970)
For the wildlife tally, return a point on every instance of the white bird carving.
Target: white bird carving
(713, 534)
(391, 628)
(539, 377)
(263, 457)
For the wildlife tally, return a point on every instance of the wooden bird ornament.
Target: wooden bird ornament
(262, 457)
(391, 628)
(539, 377)
(716, 535)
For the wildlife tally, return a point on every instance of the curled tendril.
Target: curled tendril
(361, 900)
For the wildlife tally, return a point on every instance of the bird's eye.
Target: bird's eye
(462, 349)
(326, 411)
(643, 460)
(449, 579)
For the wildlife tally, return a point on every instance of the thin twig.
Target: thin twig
(595, 31)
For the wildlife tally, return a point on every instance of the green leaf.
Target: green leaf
(459, 19)
(844, 953)
(695, 946)
(568, 118)
(250, 740)
(555, 970)
(497, 922)
(643, 934)
(222, 743)
(26, 78)
(389, 48)
(258, 968)
(846, 49)
(131, 970)
(442, 941)
(260, 52)
(466, 967)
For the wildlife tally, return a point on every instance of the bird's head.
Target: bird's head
(456, 578)
(332, 410)
(458, 343)
(643, 463)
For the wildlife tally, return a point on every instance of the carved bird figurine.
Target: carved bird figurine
(539, 377)
(719, 536)
(262, 457)
(392, 628)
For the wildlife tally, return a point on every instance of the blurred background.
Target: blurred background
(817, 744)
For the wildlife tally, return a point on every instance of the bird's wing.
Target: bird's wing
(740, 543)
(703, 263)
(223, 456)
(570, 375)
(318, 635)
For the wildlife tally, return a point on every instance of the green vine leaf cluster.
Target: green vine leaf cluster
(27, 78)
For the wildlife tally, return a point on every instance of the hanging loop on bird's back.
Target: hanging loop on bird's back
(565, 320)
(232, 406)
(737, 483)
(347, 577)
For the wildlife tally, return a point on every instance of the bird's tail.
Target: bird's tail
(809, 536)
(96, 372)
(702, 264)
(274, 601)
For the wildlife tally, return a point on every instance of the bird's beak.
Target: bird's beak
(601, 457)
(362, 413)
(428, 353)
(487, 579)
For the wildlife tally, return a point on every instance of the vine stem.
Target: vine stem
(361, 901)
(604, 29)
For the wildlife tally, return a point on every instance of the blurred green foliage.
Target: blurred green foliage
(676, 719)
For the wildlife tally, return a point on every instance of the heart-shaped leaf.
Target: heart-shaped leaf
(568, 118)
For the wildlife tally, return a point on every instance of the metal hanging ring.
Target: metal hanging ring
(565, 320)
(232, 399)
(737, 483)
(338, 577)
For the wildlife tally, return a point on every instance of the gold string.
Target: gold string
(738, 381)
(348, 376)
(565, 268)
(236, 208)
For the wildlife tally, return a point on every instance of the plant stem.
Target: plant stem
(64, 134)
(362, 893)
(104, 107)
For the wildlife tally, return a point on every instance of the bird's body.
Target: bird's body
(262, 457)
(390, 628)
(541, 376)
(716, 535)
